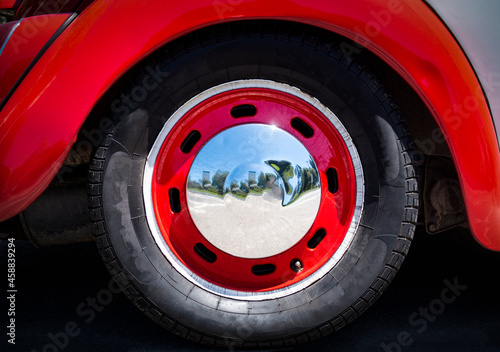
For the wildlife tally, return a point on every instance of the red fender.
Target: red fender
(41, 120)
(29, 37)
(7, 4)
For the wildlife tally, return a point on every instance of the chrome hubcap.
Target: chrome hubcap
(236, 234)
(253, 191)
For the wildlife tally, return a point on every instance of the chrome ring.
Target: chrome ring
(148, 199)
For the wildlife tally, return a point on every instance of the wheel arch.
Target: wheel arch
(416, 45)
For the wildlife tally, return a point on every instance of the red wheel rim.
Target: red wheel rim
(204, 121)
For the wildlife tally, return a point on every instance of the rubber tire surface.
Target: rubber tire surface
(312, 61)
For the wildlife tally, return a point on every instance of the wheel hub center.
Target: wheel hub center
(253, 191)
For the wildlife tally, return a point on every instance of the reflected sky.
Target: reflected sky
(251, 143)
(253, 191)
(253, 158)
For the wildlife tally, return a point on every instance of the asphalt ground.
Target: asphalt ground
(446, 297)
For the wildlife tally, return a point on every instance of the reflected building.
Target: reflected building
(206, 177)
(252, 176)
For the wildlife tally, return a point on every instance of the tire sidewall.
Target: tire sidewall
(373, 133)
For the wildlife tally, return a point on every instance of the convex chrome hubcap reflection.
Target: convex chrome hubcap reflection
(253, 191)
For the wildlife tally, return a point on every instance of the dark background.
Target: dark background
(53, 282)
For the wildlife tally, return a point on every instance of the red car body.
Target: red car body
(42, 116)
(363, 119)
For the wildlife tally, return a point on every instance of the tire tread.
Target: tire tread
(323, 46)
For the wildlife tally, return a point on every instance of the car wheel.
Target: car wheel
(257, 188)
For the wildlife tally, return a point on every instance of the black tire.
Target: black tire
(312, 61)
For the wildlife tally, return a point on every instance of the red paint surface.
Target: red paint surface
(43, 117)
(5, 30)
(25, 43)
(7, 4)
(328, 151)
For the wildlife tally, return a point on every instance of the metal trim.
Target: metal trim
(149, 207)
